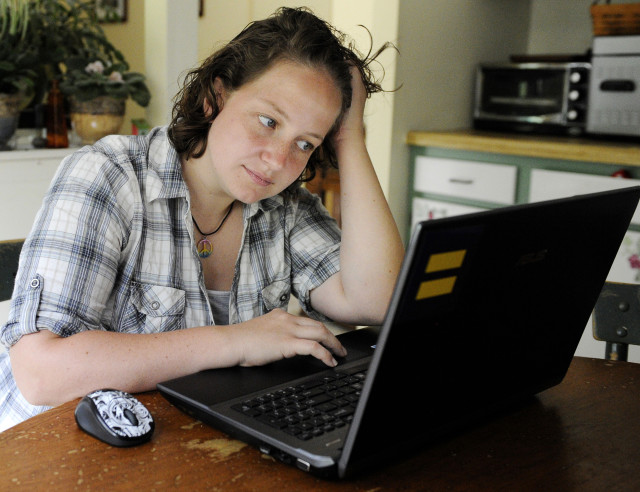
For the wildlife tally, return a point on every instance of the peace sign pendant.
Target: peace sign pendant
(205, 248)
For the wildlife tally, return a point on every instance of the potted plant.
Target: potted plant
(17, 59)
(94, 76)
(86, 80)
(97, 91)
(59, 39)
(62, 29)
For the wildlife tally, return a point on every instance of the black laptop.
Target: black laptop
(487, 311)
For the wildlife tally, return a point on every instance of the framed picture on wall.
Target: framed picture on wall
(111, 10)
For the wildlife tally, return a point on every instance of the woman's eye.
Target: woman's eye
(266, 121)
(305, 146)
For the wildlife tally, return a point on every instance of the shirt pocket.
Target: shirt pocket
(276, 295)
(158, 308)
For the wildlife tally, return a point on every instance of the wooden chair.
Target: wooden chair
(326, 184)
(9, 254)
(616, 319)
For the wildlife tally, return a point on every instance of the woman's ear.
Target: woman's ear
(220, 94)
(219, 91)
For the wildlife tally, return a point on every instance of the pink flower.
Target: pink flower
(634, 261)
(95, 67)
(115, 77)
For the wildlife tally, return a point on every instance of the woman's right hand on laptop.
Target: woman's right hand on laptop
(279, 335)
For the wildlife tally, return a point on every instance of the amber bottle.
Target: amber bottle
(57, 137)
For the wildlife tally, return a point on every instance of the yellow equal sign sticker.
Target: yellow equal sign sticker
(437, 287)
(445, 261)
(438, 262)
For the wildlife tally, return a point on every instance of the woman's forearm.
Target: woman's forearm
(50, 370)
(371, 251)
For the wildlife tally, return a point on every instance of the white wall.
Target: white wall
(560, 27)
(441, 42)
(171, 32)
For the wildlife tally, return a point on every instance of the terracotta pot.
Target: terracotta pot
(97, 117)
(10, 106)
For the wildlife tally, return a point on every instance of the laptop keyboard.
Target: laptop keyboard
(311, 408)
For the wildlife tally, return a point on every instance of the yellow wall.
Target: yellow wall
(223, 19)
(128, 37)
(220, 22)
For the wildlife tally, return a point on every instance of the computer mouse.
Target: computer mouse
(114, 417)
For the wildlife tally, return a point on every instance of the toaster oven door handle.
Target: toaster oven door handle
(618, 85)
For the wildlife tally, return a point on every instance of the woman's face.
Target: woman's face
(267, 129)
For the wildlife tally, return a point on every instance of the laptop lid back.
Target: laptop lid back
(489, 308)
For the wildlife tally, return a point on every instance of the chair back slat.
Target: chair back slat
(9, 255)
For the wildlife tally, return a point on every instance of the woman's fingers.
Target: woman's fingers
(280, 335)
(321, 334)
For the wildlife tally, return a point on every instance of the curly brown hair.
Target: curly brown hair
(294, 34)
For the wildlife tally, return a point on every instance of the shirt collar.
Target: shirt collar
(265, 205)
(166, 179)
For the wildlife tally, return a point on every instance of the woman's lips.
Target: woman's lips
(258, 179)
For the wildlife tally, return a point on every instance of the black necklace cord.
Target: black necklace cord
(219, 226)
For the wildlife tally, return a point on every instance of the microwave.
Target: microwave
(532, 97)
(614, 92)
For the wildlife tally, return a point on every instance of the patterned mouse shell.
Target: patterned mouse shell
(111, 405)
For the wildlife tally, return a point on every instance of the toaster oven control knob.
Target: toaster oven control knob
(575, 77)
(572, 114)
(574, 95)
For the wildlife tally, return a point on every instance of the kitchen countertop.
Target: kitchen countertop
(550, 147)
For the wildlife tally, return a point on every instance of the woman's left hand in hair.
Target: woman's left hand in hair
(371, 251)
(352, 125)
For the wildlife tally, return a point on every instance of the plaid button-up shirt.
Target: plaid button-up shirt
(112, 249)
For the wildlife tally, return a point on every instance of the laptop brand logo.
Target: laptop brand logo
(534, 257)
(440, 262)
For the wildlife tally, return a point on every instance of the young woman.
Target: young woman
(203, 225)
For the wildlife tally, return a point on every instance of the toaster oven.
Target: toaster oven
(532, 97)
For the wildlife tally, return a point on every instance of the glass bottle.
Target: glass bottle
(57, 137)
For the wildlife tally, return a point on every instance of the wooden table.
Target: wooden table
(581, 435)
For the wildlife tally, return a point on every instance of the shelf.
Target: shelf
(35, 154)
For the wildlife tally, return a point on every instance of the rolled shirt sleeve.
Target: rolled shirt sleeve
(69, 261)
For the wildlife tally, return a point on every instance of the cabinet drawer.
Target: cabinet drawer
(547, 185)
(425, 209)
(23, 184)
(465, 179)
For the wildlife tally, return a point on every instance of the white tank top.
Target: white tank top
(219, 300)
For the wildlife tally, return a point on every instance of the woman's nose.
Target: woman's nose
(275, 154)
